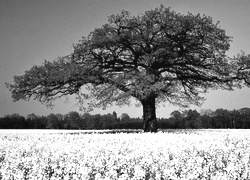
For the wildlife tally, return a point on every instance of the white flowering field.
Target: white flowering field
(175, 154)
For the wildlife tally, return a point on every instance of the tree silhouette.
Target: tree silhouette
(73, 120)
(125, 117)
(159, 56)
(52, 122)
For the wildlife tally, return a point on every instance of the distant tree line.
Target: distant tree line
(72, 120)
(206, 119)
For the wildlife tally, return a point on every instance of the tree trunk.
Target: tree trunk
(149, 114)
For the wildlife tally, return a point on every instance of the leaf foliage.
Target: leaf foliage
(160, 53)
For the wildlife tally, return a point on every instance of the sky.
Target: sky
(34, 30)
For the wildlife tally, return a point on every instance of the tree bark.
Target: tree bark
(149, 114)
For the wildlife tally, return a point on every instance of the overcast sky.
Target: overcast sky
(34, 30)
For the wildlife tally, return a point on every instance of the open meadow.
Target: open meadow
(172, 154)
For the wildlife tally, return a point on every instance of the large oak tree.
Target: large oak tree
(158, 56)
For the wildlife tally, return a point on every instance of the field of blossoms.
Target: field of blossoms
(172, 154)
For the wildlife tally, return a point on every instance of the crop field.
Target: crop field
(172, 154)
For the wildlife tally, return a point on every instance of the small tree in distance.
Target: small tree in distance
(159, 56)
(125, 117)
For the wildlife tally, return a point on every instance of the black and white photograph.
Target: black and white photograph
(124, 90)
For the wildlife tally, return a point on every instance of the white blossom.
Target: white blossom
(180, 154)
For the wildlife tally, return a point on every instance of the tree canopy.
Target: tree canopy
(158, 56)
